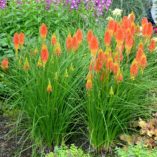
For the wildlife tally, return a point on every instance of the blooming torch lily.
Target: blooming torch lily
(21, 38)
(53, 40)
(44, 54)
(5, 64)
(134, 69)
(94, 45)
(152, 45)
(69, 42)
(43, 31)
(107, 38)
(49, 87)
(79, 36)
(16, 43)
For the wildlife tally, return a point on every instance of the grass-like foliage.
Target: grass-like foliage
(119, 79)
(45, 83)
(46, 80)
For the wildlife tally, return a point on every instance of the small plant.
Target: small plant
(147, 134)
(136, 151)
(64, 151)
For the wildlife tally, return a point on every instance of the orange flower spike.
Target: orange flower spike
(102, 56)
(152, 45)
(134, 69)
(49, 87)
(144, 21)
(69, 42)
(116, 68)
(116, 57)
(98, 65)
(89, 36)
(129, 41)
(5, 64)
(94, 45)
(131, 17)
(44, 54)
(139, 54)
(111, 27)
(58, 49)
(79, 36)
(144, 30)
(16, 41)
(75, 43)
(21, 38)
(133, 29)
(143, 62)
(149, 30)
(120, 36)
(53, 39)
(107, 38)
(119, 77)
(43, 31)
(89, 84)
(126, 22)
(109, 64)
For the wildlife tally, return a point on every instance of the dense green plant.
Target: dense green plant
(46, 80)
(47, 92)
(114, 96)
(136, 151)
(64, 151)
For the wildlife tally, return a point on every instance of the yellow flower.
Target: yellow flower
(111, 91)
(39, 64)
(49, 87)
(26, 65)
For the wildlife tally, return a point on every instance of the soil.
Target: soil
(9, 146)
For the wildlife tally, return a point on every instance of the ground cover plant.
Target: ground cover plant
(136, 151)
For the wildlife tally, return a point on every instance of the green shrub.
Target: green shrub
(136, 151)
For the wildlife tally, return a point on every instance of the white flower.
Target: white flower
(117, 12)
(109, 18)
(155, 39)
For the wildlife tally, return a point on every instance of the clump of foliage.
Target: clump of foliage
(136, 151)
(119, 77)
(147, 134)
(64, 151)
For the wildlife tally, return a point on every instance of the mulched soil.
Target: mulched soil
(9, 146)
